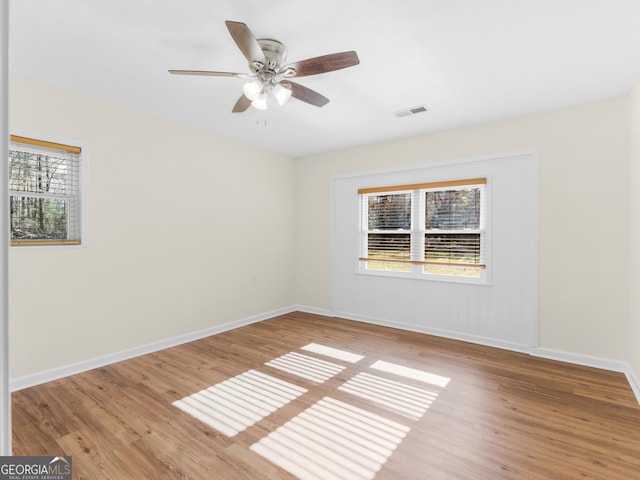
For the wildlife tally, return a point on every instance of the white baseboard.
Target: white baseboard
(634, 382)
(96, 362)
(578, 359)
(489, 342)
(595, 362)
(316, 311)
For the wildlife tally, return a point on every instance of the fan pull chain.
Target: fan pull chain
(261, 118)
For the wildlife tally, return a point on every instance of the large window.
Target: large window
(425, 230)
(44, 189)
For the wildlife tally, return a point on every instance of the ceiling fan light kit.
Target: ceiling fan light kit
(257, 92)
(269, 75)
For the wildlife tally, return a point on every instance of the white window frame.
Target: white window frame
(418, 232)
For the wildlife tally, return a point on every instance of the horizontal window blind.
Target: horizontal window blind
(389, 212)
(391, 247)
(453, 249)
(452, 227)
(44, 192)
(388, 219)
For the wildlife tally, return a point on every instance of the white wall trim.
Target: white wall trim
(594, 362)
(314, 310)
(5, 395)
(477, 339)
(101, 361)
(579, 359)
(634, 381)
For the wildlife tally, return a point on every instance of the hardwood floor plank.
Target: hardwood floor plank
(440, 409)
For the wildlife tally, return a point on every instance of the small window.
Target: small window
(44, 192)
(425, 230)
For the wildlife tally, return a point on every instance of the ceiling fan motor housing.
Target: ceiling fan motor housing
(274, 53)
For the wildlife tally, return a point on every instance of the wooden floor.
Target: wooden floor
(270, 400)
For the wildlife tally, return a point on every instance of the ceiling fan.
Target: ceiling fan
(269, 75)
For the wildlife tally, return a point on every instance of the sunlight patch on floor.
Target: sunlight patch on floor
(398, 397)
(311, 368)
(411, 373)
(332, 440)
(239, 402)
(333, 352)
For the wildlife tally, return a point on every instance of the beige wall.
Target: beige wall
(169, 253)
(179, 221)
(634, 210)
(583, 153)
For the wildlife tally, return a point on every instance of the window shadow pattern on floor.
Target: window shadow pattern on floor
(333, 438)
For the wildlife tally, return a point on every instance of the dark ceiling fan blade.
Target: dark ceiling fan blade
(306, 94)
(322, 64)
(246, 42)
(241, 105)
(208, 73)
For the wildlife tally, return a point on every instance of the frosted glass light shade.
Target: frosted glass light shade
(282, 93)
(252, 90)
(260, 102)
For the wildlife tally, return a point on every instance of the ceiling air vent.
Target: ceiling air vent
(411, 111)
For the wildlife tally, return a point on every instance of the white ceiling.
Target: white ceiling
(469, 61)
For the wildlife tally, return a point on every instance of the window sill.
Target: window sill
(45, 243)
(483, 280)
